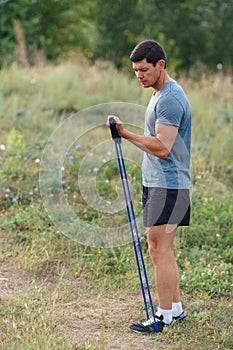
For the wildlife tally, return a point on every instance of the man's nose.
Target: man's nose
(139, 75)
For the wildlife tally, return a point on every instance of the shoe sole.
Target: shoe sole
(179, 320)
(160, 329)
(142, 333)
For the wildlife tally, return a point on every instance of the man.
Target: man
(166, 175)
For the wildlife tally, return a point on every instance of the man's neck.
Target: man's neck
(164, 78)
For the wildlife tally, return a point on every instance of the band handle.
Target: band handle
(114, 131)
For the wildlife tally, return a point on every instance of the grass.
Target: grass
(52, 286)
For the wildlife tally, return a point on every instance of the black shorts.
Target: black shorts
(165, 206)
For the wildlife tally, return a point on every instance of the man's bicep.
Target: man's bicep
(166, 134)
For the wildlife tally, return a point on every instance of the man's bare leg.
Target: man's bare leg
(160, 242)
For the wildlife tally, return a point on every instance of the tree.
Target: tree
(118, 27)
(191, 31)
(53, 26)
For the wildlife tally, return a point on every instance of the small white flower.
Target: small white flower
(37, 161)
(2, 147)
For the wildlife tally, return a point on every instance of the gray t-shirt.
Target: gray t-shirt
(169, 106)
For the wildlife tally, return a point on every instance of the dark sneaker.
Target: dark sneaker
(149, 326)
(180, 318)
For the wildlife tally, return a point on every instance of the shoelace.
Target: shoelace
(151, 320)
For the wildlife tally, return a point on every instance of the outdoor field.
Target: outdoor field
(69, 279)
(80, 292)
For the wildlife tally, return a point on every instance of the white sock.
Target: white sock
(167, 315)
(177, 309)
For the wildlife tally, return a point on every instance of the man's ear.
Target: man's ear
(161, 64)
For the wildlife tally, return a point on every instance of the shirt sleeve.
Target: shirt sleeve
(169, 111)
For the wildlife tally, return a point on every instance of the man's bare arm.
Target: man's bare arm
(159, 145)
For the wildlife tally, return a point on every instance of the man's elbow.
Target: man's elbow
(162, 150)
(163, 153)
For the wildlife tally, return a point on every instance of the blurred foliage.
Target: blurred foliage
(53, 27)
(193, 32)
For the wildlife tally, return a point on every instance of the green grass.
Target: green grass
(55, 278)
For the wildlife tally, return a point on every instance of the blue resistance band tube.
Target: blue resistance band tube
(133, 227)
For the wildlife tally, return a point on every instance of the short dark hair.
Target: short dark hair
(151, 50)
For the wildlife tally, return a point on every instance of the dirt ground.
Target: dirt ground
(90, 316)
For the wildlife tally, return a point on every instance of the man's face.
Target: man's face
(147, 73)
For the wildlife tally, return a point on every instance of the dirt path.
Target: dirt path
(90, 316)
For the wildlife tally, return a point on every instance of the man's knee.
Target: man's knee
(157, 251)
(159, 244)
